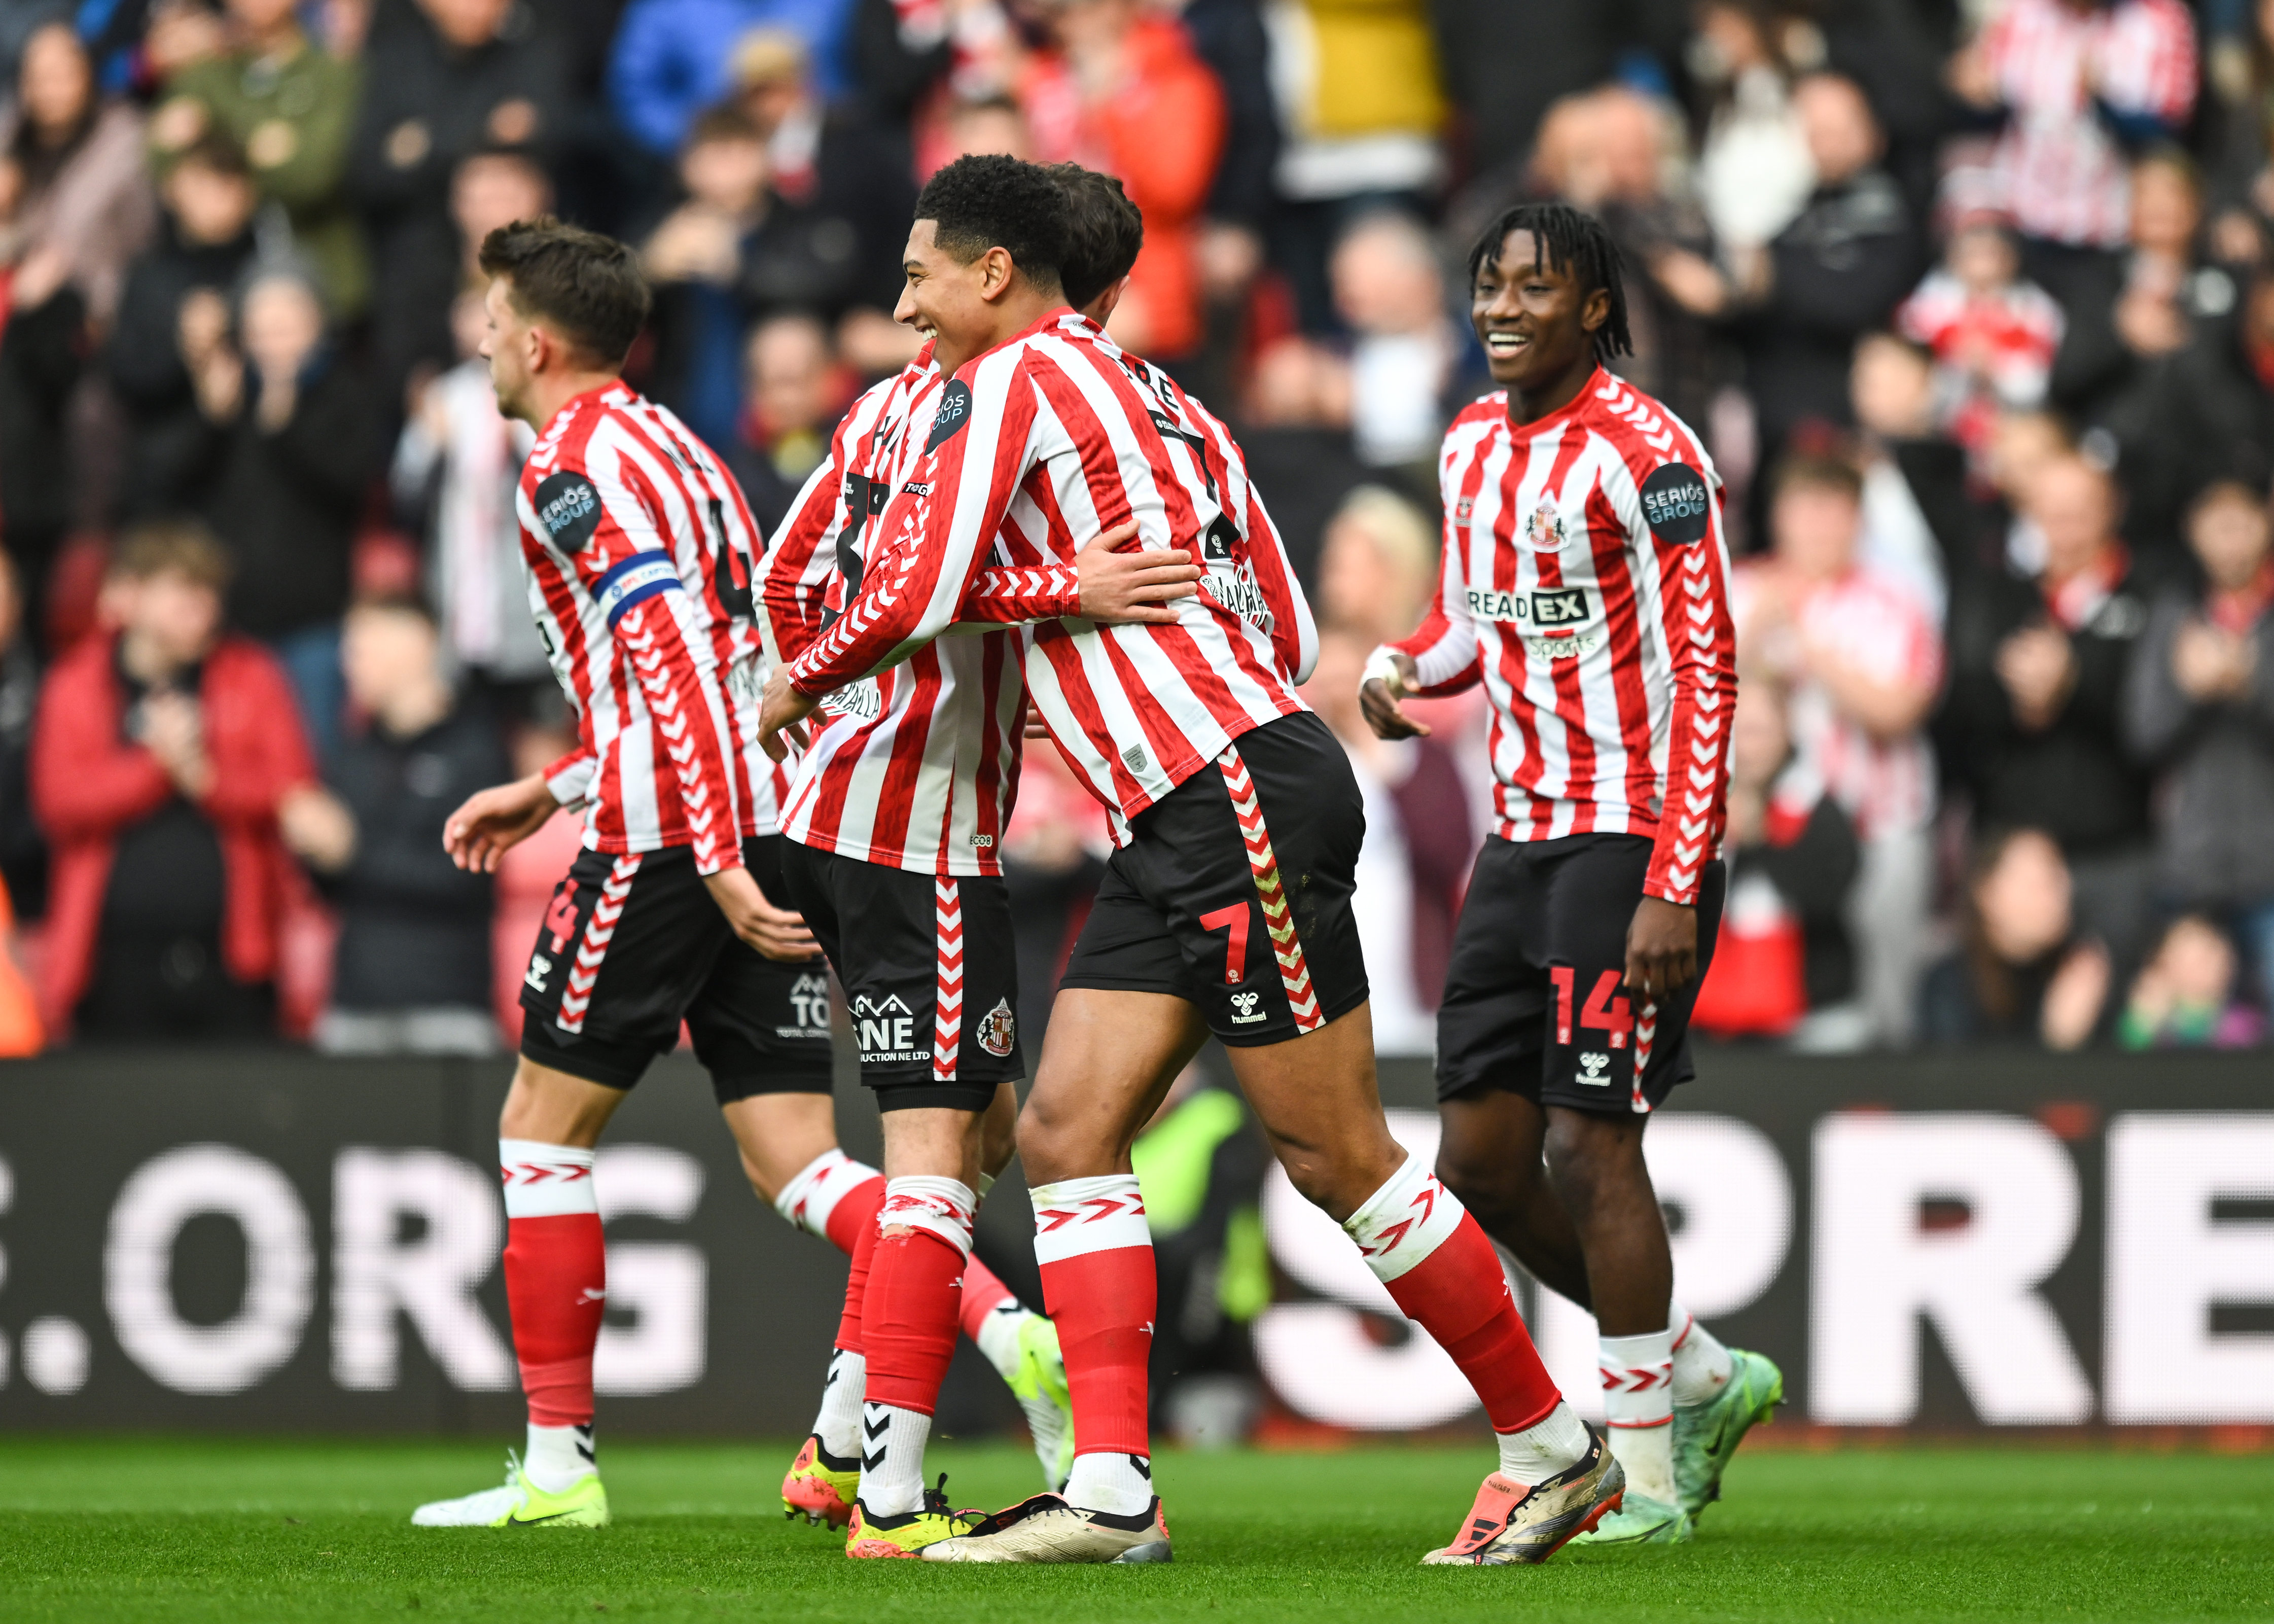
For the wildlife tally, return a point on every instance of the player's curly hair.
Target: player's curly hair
(1573, 239)
(1105, 232)
(987, 200)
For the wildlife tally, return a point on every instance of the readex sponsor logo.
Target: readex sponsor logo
(1555, 606)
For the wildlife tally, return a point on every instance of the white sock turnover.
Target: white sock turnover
(1702, 1365)
(998, 1336)
(891, 1459)
(1638, 1401)
(557, 1456)
(1104, 1480)
(839, 1423)
(1540, 1451)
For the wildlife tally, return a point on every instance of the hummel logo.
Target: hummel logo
(1245, 1003)
(1592, 1067)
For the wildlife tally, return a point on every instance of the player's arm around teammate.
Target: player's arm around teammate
(1231, 895)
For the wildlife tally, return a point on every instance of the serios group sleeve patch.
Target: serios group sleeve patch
(1675, 505)
(568, 507)
(954, 412)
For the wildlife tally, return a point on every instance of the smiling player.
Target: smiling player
(1586, 585)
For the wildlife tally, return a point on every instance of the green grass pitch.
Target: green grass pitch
(95, 1529)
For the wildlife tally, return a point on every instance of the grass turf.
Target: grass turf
(93, 1529)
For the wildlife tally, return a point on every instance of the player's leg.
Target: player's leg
(909, 1317)
(621, 954)
(1318, 1100)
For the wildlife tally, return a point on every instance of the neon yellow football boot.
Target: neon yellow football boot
(520, 1503)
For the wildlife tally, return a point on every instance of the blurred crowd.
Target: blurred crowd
(1972, 300)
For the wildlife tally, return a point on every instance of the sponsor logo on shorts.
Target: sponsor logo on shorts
(539, 967)
(887, 1029)
(809, 1004)
(998, 1029)
(1594, 1068)
(1244, 1010)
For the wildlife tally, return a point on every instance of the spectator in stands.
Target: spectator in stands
(80, 203)
(2022, 972)
(1784, 965)
(1362, 108)
(1390, 292)
(1862, 662)
(161, 750)
(798, 389)
(1919, 520)
(458, 79)
(2077, 83)
(75, 206)
(1125, 93)
(290, 108)
(1378, 566)
(2200, 712)
(2150, 363)
(2032, 727)
(411, 975)
(1295, 430)
(457, 468)
(23, 850)
(1754, 169)
(176, 305)
(1612, 152)
(1992, 332)
(1420, 844)
(673, 58)
(1834, 274)
(279, 469)
(2185, 995)
(698, 259)
(2024, 446)
(849, 179)
(1505, 66)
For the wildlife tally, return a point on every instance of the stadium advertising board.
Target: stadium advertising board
(271, 1243)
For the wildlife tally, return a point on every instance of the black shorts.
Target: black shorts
(1241, 906)
(911, 948)
(1534, 1003)
(631, 946)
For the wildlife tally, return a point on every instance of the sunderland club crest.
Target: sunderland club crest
(1544, 531)
(998, 1029)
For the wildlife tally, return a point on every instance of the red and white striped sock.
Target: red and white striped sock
(1445, 1275)
(1638, 1402)
(556, 1271)
(907, 1330)
(1098, 1284)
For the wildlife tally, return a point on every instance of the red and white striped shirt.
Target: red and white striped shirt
(2064, 176)
(1034, 449)
(1585, 582)
(640, 552)
(914, 768)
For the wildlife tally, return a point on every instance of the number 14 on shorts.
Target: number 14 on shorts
(1594, 1043)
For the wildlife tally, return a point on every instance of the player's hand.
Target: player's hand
(1661, 949)
(494, 820)
(776, 932)
(1378, 697)
(782, 711)
(1133, 588)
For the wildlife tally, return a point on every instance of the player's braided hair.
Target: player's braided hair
(1572, 239)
